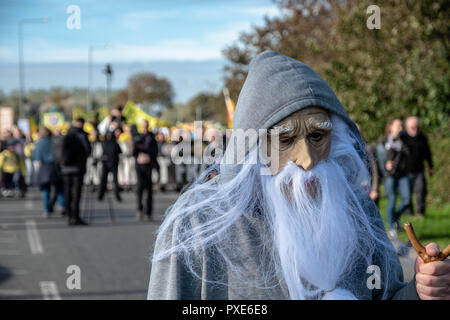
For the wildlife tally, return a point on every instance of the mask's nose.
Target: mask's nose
(304, 155)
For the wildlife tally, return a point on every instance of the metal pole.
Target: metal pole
(108, 85)
(90, 67)
(108, 91)
(198, 113)
(21, 71)
(88, 96)
(21, 59)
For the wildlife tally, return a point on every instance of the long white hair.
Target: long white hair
(271, 233)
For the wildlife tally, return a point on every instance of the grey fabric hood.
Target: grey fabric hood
(277, 86)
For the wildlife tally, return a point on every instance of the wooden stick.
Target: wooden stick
(420, 249)
(446, 251)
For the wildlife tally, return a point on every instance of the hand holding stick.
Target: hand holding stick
(420, 249)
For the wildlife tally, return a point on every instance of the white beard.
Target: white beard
(339, 294)
(317, 237)
(315, 230)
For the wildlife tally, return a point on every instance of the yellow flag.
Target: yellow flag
(52, 120)
(229, 103)
(135, 115)
(78, 112)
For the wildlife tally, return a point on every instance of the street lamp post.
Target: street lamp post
(21, 59)
(90, 62)
(108, 72)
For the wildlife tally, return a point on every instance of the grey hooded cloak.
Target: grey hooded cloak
(276, 86)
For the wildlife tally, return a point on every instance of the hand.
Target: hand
(389, 165)
(430, 172)
(433, 279)
(373, 195)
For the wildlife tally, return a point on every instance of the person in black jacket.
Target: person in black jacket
(75, 151)
(110, 163)
(417, 144)
(145, 151)
(397, 175)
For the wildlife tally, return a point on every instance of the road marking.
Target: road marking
(11, 292)
(29, 216)
(29, 204)
(42, 222)
(17, 272)
(9, 253)
(33, 237)
(49, 290)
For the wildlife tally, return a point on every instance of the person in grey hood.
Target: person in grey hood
(284, 214)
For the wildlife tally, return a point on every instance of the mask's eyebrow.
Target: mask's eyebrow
(284, 128)
(324, 125)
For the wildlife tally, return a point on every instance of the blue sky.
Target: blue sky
(178, 39)
(134, 30)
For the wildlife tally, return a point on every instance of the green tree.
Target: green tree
(147, 87)
(211, 106)
(399, 70)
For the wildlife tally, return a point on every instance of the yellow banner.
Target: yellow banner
(134, 115)
(52, 120)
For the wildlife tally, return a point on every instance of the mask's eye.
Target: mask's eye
(316, 136)
(286, 139)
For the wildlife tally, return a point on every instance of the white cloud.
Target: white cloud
(262, 11)
(195, 47)
(199, 48)
(174, 49)
(6, 54)
(229, 11)
(135, 20)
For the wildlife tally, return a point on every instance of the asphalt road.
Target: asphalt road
(111, 258)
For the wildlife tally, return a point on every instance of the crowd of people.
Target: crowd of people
(398, 161)
(128, 157)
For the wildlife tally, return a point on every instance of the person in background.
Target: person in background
(57, 144)
(6, 135)
(374, 194)
(75, 151)
(117, 116)
(20, 142)
(419, 152)
(145, 151)
(12, 169)
(110, 163)
(163, 160)
(127, 171)
(95, 124)
(48, 176)
(371, 150)
(113, 121)
(94, 163)
(31, 166)
(19, 148)
(181, 180)
(397, 180)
